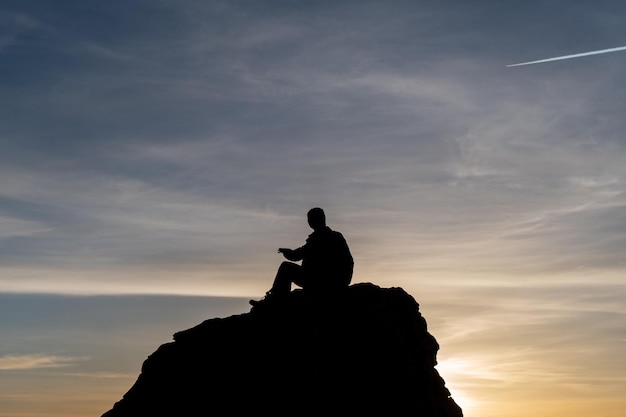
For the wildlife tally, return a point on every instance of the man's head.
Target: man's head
(316, 218)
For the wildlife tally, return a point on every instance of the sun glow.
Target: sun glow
(454, 371)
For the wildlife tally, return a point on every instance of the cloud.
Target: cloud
(15, 25)
(37, 361)
(171, 146)
(11, 227)
(103, 375)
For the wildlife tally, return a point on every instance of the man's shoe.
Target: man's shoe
(262, 300)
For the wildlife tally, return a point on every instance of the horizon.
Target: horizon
(154, 156)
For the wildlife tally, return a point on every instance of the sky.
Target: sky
(155, 154)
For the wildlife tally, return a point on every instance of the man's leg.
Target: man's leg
(287, 273)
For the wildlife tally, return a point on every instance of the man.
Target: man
(327, 263)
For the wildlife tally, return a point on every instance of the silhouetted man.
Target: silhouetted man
(327, 263)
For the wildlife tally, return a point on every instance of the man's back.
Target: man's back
(327, 258)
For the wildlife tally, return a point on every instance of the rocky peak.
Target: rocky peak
(365, 351)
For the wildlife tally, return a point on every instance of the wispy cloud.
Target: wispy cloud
(103, 375)
(38, 361)
(169, 147)
(14, 25)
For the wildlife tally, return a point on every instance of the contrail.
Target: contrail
(558, 58)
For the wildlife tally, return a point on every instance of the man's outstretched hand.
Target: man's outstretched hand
(288, 254)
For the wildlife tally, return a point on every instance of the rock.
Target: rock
(365, 351)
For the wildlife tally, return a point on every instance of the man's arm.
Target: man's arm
(291, 254)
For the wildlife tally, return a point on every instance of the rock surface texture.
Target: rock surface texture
(365, 351)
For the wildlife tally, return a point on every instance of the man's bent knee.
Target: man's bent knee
(288, 272)
(289, 267)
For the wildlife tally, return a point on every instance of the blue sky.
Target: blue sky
(169, 147)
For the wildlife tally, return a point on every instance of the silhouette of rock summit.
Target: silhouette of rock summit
(366, 351)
